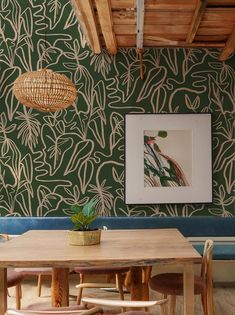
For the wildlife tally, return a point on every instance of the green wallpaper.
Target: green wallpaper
(50, 161)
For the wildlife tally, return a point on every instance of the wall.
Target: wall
(50, 161)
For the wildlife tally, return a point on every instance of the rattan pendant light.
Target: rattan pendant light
(44, 90)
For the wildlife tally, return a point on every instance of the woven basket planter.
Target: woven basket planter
(45, 90)
(84, 238)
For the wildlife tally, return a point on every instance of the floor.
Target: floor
(224, 296)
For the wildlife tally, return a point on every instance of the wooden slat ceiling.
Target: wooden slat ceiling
(167, 23)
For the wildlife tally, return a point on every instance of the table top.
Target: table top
(118, 247)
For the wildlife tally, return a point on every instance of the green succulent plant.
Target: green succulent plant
(83, 216)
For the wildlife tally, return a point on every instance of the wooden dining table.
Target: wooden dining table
(135, 248)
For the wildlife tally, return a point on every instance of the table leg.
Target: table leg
(188, 290)
(139, 290)
(3, 290)
(60, 287)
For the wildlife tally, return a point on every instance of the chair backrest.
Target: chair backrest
(60, 311)
(206, 268)
(4, 236)
(206, 274)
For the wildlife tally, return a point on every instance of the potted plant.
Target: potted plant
(82, 217)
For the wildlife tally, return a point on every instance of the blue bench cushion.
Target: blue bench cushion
(189, 226)
(220, 251)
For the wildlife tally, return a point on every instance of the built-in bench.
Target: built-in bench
(224, 247)
(189, 226)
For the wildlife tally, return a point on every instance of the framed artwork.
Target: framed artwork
(168, 158)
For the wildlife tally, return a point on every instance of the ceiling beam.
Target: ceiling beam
(85, 14)
(198, 13)
(140, 33)
(161, 39)
(152, 41)
(139, 23)
(106, 22)
(229, 47)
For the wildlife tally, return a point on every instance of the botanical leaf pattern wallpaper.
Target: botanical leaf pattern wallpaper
(49, 161)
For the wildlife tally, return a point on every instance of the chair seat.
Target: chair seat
(13, 278)
(172, 284)
(41, 307)
(100, 270)
(34, 271)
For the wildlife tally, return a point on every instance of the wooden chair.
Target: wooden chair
(128, 305)
(83, 271)
(14, 279)
(171, 284)
(82, 310)
(70, 310)
(118, 272)
(20, 273)
(38, 272)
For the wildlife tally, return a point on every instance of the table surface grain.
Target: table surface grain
(118, 247)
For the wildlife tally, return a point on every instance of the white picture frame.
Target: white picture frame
(187, 142)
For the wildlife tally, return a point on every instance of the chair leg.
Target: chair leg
(119, 284)
(39, 285)
(79, 296)
(163, 309)
(127, 281)
(204, 303)
(18, 291)
(172, 305)
(109, 278)
(210, 300)
(146, 273)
